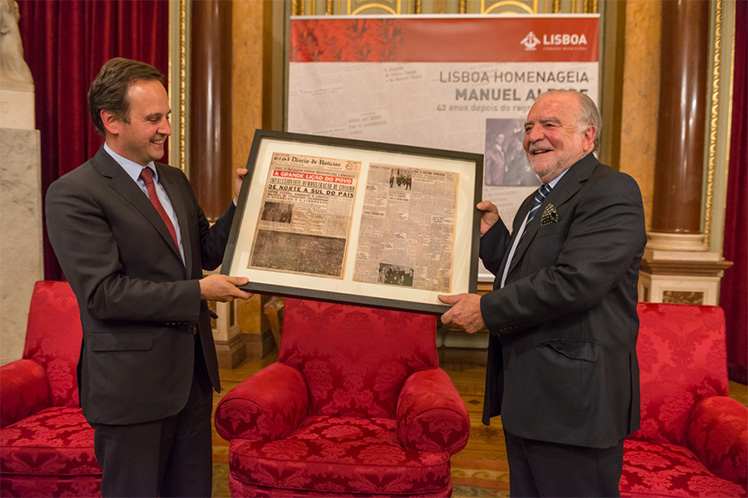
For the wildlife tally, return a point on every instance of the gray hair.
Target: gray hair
(589, 115)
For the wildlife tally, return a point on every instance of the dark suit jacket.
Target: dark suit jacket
(139, 303)
(562, 363)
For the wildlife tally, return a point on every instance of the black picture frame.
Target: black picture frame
(393, 253)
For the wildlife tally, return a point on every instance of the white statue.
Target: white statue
(14, 72)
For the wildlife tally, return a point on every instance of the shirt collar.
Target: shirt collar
(553, 182)
(132, 168)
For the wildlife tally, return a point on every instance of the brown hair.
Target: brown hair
(109, 89)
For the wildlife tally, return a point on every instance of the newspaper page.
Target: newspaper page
(306, 214)
(407, 228)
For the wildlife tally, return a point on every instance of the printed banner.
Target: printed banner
(459, 83)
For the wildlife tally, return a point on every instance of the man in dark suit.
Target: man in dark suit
(562, 368)
(133, 241)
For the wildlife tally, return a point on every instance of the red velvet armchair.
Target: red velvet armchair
(355, 405)
(693, 440)
(46, 446)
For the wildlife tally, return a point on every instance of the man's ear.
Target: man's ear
(111, 121)
(589, 138)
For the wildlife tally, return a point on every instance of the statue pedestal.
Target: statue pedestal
(21, 248)
(17, 108)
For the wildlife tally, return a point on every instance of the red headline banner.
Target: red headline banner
(313, 177)
(412, 39)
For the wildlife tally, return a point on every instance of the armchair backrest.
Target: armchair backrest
(355, 359)
(53, 338)
(682, 359)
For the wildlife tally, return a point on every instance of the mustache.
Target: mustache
(538, 146)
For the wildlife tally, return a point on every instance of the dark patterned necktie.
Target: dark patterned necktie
(542, 192)
(147, 176)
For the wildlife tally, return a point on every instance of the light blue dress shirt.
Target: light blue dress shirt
(133, 170)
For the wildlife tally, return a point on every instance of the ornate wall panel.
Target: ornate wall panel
(398, 7)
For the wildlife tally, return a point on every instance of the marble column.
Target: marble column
(677, 267)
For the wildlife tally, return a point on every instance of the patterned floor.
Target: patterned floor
(480, 470)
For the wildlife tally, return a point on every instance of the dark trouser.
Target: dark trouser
(539, 468)
(166, 457)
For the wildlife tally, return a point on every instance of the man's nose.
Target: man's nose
(165, 128)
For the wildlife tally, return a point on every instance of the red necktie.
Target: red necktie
(147, 175)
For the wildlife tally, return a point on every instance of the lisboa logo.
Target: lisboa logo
(530, 41)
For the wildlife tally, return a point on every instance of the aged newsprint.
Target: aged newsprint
(407, 228)
(305, 219)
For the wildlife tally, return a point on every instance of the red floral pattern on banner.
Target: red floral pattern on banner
(46, 446)
(361, 40)
(355, 404)
(693, 438)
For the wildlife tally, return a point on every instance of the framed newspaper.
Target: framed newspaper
(356, 222)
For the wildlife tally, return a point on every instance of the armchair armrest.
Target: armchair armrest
(24, 390)
(268, 405)
(718, 435)
(430, 413)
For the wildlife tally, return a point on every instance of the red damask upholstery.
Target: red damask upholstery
(693, 440)
(46, 446)
(355, 405)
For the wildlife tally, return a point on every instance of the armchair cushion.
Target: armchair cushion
(431, 416)
(669, 470)
(718, 436)
(57, 441)
(24, 390)
(340, 455)
(268, 405)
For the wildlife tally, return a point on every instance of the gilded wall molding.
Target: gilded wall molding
(717, 154)
(712, 148)
(177, 83)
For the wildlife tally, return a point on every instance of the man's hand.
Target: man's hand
(223, 288)
(465, 312)
(489, 215)
(238, 179)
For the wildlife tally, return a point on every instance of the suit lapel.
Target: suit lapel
(119, 181)
(566, 187)
(178, 203)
